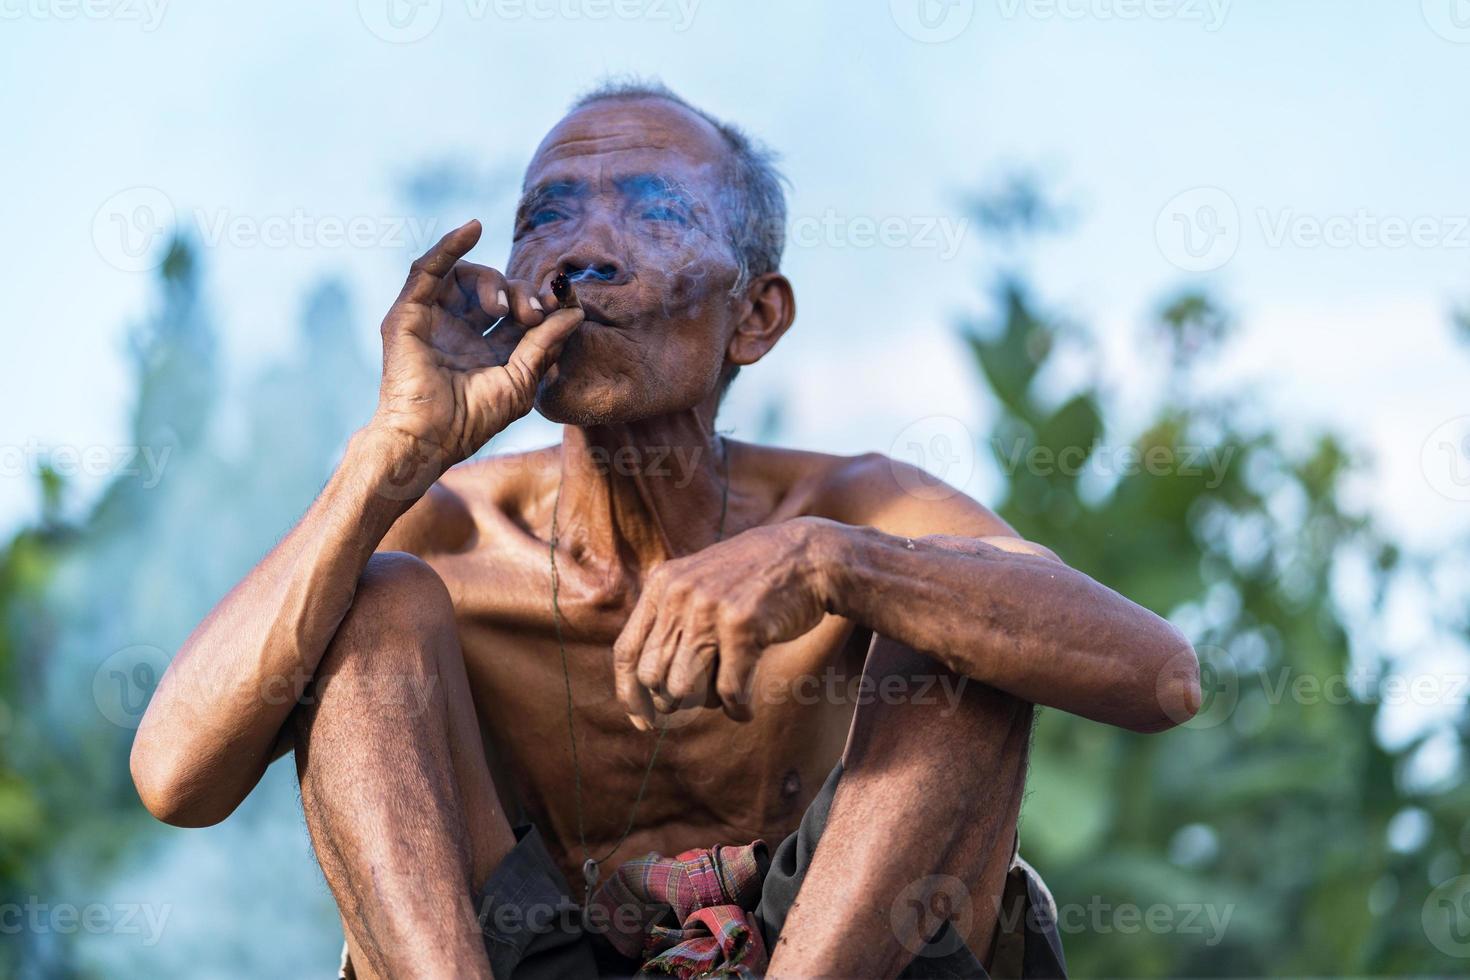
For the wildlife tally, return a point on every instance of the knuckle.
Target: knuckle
(738, 611)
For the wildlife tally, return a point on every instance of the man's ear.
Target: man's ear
(771, 308)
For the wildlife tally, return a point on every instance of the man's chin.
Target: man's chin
(574, 398)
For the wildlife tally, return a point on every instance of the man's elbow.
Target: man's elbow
(169, 791)
(1170, 691)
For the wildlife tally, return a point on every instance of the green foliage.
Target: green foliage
(1256, 835)
(90, 608)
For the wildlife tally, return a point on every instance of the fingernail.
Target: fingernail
(501, 299)
(536, 305)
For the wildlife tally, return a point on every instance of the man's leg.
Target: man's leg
(398, 797)
(921, 826)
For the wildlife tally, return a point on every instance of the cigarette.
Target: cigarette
(561, 288)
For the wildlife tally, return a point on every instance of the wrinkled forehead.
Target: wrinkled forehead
(612, 139)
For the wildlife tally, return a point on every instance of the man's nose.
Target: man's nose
(585, 267)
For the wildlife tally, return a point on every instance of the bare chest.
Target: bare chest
(713, 781)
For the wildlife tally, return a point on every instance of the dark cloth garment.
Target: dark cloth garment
(535, 930)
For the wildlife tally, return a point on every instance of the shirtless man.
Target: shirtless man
(403, 638)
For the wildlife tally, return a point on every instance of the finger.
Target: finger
(476, 292)
(733, 678)
(659, 651)
(525, 305)
(627, 650)
(636, 702)
(689, 672)
(540, 346)
(426, 272)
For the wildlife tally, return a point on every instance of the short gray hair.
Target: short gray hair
(755, 219)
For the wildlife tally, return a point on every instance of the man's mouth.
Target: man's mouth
(567, 294)
(596, 314)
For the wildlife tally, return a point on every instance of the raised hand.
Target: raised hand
(446, 385)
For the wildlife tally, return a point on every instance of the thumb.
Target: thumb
(541, 344)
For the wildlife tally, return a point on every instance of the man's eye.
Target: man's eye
(543, 216)
(662, 213)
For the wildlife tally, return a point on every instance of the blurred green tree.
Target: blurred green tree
(91, 605)
(1274, 834)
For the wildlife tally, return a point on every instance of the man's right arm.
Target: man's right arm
(450, 383)
(209, 731)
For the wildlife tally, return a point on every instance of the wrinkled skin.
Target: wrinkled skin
(635, 190)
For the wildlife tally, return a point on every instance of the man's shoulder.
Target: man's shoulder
(876, 490)
(853, 489)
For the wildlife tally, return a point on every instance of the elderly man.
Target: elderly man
(513, 686)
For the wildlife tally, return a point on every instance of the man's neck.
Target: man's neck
(639, 493)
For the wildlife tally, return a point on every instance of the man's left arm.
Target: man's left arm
(1009, 613)
(933, 570)
(920, 562)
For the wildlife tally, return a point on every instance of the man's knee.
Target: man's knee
(921, 703)
(386, 655)
(401, 608)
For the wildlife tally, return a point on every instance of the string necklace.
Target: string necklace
(591, 867)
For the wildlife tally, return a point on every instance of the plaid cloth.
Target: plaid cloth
(688, 916)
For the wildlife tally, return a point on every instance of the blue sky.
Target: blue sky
(268, 128)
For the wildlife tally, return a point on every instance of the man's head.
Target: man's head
(672, 225)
